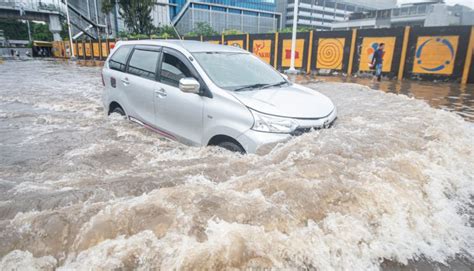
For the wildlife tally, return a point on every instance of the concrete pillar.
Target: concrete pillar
(55, 26)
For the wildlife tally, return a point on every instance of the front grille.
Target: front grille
(300, 131)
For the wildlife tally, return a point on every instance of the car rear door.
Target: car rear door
(178, 113)
(139, 82)
(115, 72)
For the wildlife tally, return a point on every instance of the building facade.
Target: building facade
(320, 14)
(255, 16)
(428, 13)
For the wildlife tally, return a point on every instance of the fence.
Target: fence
(428, 53)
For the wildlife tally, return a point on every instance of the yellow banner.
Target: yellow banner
(80, 51)
(370, 45)
(330, 53)
(88, 49)
(263, 49)
(104, 49)
(236, 43)
(435, 54)
(57, 49)
(95, 47)
(214, 41)
(286, 53)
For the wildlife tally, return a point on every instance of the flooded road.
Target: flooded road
(447, 96)
(390, 184)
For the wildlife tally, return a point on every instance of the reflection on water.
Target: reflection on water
(80, 190)
(448, 96)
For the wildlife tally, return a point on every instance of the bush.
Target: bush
(232, 32)
(202, 29)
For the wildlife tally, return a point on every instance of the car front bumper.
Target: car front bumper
(263, 142)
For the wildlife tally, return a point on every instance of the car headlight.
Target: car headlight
(272, 124)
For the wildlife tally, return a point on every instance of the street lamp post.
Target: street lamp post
(71, 49)
(292, 69)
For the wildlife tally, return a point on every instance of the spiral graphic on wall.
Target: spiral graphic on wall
(330, 53)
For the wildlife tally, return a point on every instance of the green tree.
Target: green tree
(136, 14)
(232, 32)
(166, 32)
(298, 29)
(18, 30)
(40, 32)
(202, 29)
(13, 29)
(64, 31)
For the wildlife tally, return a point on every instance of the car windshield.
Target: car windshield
(238, 71)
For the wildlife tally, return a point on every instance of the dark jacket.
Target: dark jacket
(378, 57)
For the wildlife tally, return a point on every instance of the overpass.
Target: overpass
(51, 14)
(22, 11)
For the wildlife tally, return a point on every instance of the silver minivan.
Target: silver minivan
(206, 94)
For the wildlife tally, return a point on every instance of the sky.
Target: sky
(469, 3)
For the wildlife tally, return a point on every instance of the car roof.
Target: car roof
(192, 46)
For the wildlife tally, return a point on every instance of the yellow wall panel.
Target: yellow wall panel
(104, 49)
(95, 47)
(57, 49)
(435, 54)
(88, 49)
(286, 53)
(330, 53)
(263, 49)
(80, 51)
(236, 43)
(369, 45)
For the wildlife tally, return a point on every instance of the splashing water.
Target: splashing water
(393, 180)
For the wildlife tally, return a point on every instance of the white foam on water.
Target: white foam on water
(391, 180)
(24, 261)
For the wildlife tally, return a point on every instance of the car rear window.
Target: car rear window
(119, 60)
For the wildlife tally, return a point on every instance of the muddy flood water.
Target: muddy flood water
(389, 187)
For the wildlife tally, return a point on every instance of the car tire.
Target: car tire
(118, 110)
(231, 146)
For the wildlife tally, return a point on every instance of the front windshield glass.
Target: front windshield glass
(238, 71)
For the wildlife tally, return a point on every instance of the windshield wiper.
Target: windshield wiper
(252, 86)
(274, 85)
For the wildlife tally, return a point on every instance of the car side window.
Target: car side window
(143, 63)
(172, 70)
(119, 60)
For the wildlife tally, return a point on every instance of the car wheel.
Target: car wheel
(231, 146)
(118, 110)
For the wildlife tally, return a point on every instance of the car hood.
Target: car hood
(292, 101)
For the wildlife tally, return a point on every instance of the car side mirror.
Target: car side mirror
(189, 85)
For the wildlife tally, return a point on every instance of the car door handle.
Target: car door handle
(161, 93)
(125, 81)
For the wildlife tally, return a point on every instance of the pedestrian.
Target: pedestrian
(12, 52)
(377, 61)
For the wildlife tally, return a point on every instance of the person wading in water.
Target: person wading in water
(377, 61)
